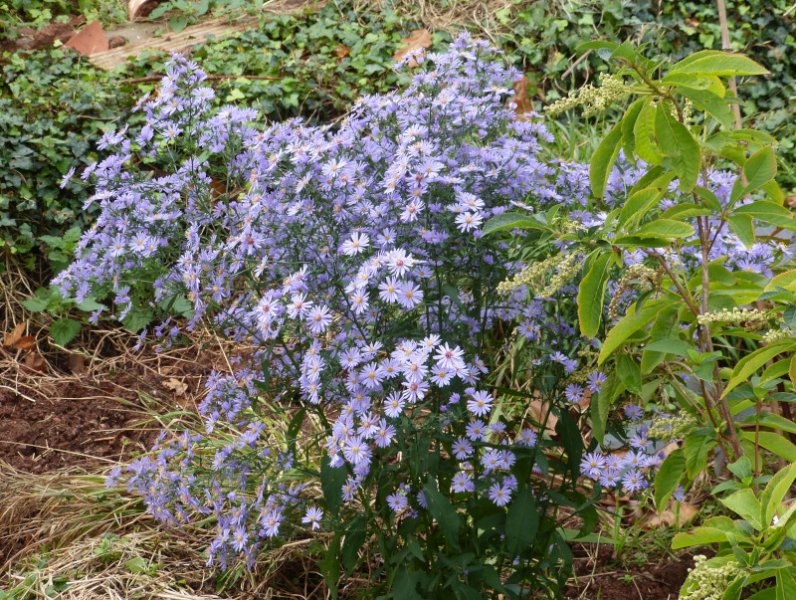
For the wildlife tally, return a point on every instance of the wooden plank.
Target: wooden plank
(173, 42)
(196, 34)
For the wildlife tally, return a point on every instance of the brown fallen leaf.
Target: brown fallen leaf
(541, 411)
(670, 516)
(522, 103)
(10, 339)
(26, 342)
(176, 386)
(341, 51)
(89, 40)
(36, 362)
(419, 39)
(77, 363)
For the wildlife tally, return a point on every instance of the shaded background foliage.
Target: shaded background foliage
(53, 103)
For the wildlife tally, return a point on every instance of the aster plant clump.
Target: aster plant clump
(351, 257)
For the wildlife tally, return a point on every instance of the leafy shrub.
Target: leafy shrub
(351, 258)
(52, 108)
(702, 260)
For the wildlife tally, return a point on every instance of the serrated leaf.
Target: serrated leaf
(64, 331)
(701, 536)
(749, 364)
(775, 491)
(644, 133)
(760, 168)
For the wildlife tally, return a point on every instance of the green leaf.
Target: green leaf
(330, 565)
(768, 212)
(522, 522)
(720, 64)
(760, 168)
(627, 326)
(742, 468)
(353, 541)
(708, 83)
(591, 292)
(443, 512)
(668, 478)
(670, 346)
(64, 331)
(680, 147)
(712, 104)
(773, 442)
(138, 318)
(332, 480)
(603, 160)
(628, 129)
(775, 492)
(629, 371)
(743, 226)
(701, 536)
(510, 220)
(601, 405)
(644, 132)
(749, 364)
(745, 504)
(639, 203)
(667, 229)
(35, 304)
(786, 585)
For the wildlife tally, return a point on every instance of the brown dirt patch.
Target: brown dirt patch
(102, 412)
(598, 576)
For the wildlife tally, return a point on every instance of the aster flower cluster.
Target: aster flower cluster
(351, 257)
(629, 469)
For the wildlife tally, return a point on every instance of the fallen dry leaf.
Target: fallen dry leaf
(176, 386)
(26, 342)
(522, 102)
(541, 410)
(10, 339)
(89, 40)
(77, 363)
(670, 516)
(36, 362)
(419, 39)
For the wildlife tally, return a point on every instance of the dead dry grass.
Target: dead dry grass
(70, 533)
